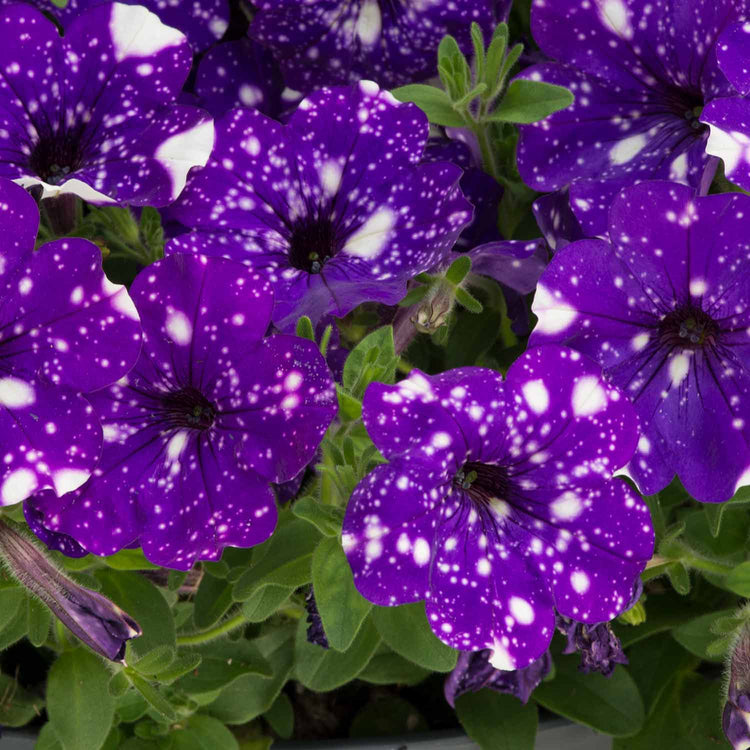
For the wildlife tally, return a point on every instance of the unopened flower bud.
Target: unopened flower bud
(91, 617)
(736, 718)
(473, 672)
(315, 632)
(434, 311)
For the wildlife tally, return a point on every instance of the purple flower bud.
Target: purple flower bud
(91, 617)
(474, 672)
(736, 718)
(315, 632)
(600, 648)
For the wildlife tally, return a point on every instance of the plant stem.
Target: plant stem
(709, 566)
(222, 628)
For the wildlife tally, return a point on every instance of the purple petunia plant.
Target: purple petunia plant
(659, 87)
(211, 413)
(65, 329)
(498, 505)
(663, 307)
(334, 209)
(93, 113)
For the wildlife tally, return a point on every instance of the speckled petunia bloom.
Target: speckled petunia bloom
(642, 72)
(92, 113)
(498, 504)
(211, 413)
(202, 21)
(64, 328)
(333, 208)
(663, 307)
(328, 42)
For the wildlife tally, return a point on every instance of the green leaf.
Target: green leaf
(10, 605)
(215, 673)
(175, 579)
(18, 706)
(203, 733)
(350, 408)
(145, 604)
(611, 705)
(15, 629)
(321, 669)
(498, 722)
(679, 577)
(360, 369)
(38, 621)
(434, 102)
(264, 602)
(387, 717)
(388, 668)
(151, 231)
(530, 101)
(183, 664)
(468, 300)
(406, 630)
(414, 295)
(477, 41)
(128, 559)
(281, 716)
(342, 608)
(715, 511)
(696, 635)
(212, 600)
(305, 328)
(79, 705)
(251, 695)
(131, 706)
(287, 562)
(119, 684)
(451, 58)
(739, 580)
(47, 739)
(327, 519)
(155, 661)
(654, 664)
(153, 697)
(458, 270)
(496, 56)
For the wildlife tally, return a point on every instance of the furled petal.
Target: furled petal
(514, 263)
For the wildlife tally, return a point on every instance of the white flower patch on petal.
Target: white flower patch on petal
(137, 32)
(183, 151)
(372, 237)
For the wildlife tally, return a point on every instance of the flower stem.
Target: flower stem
(222, 628)
(709, 566)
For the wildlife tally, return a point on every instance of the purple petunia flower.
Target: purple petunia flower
(600, 649)
(497, 505)
(202, 21)
(241, 73)
(642, 72)
(332, 207)
(474, 672)
(328, 42)
(92, 113)
(64, 329)
(663, 307)
(211, 413)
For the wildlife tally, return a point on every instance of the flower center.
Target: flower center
(312, 243)
(688, 327)
(486, 485)
(689, 106)
(55, 156)
(188, 408)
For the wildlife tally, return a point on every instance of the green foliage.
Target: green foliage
(79, 704)
(498, 722)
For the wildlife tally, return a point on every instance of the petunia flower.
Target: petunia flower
(211, 413)
(736, 715)
(333, 207)
(498, 504)
(642, 72)
(473, 672)
(202, 21)
(93, 113)
(598, 645)
(241, 73)
(328, 42)
(64, 329)
(663, 307)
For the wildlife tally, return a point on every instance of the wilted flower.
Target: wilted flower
(736, 718)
